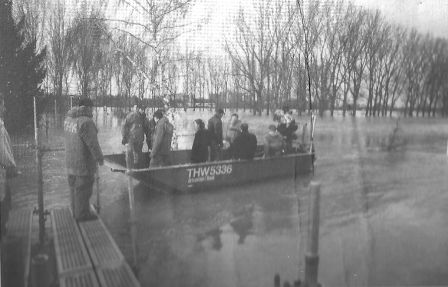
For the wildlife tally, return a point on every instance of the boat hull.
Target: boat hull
(184, 176)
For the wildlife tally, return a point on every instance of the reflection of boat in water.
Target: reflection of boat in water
(183, 176)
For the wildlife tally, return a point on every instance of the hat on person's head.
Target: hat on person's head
(220, 111)
(244, 127)
(272, 128)
(200, 123)
(158, 114)
(140, 105)
(86, 102)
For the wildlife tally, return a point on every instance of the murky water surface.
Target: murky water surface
(384, 211)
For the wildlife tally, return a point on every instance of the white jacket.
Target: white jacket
(6, 155)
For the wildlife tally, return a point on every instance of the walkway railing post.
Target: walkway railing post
(312, 255)
(129, 167)
(98, 190)
(40, 191)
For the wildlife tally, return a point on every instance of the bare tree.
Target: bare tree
(155, 24)
(86, 38)
(58, 65)
(34, 13)
(354, 42)
(252, 50)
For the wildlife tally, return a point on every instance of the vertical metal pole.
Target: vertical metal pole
(55, 113)
(129, 166)
(312, 255)
(40, 193)
(97, 183)
(313, 123)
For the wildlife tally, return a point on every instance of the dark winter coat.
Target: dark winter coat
(287, 131)
(201, 143)
(215, 130)
(135, 127)
(244, 146)
(82, 150)
(149, 135)
(163, 133)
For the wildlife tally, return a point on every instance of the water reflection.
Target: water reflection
(220, 230)
(384, 211)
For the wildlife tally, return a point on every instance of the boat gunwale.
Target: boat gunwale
(178, 166)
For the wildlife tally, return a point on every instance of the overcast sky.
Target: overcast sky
(426, 15)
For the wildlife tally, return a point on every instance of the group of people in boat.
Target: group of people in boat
(238, 143)
(210, 142)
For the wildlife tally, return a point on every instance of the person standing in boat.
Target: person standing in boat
(273, 142)
(215, 130)
(233, 130)
(245, 144)
(82, 153)
(161, 143)
(201, 143)
(287, 128)
(151, 129)
(135, 127)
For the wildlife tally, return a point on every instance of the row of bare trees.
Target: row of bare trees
(355, 59)
(325, 55)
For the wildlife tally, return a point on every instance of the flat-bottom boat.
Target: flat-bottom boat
(183, 175)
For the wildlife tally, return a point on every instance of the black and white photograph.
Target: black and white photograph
(223, 143)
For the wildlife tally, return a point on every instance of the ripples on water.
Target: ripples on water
(383, 210)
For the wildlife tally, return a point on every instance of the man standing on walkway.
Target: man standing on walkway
(215, 130)
(135, 127)
(161, 144)
(82, 152)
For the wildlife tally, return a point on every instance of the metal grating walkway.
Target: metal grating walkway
(100, 243)
(117, 276)
(19, 223)
(111, 267)
(71, 254)
(80, 279)
(88, 256)
(19, 226)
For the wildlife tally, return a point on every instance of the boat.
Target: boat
(184, 176)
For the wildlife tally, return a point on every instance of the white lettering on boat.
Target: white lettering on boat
(208, 173)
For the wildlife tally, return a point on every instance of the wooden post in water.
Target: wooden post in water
(312, 255)
(97, 187)
(129, 167)
(55, 113)
(40, 183)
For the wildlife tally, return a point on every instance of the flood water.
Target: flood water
(384, 212)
